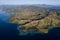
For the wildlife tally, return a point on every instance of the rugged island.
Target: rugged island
(35, 18)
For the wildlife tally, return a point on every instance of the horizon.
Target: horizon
(29, 2)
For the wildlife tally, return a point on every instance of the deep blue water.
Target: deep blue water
(8, 31)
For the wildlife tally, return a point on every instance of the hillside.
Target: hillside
(35, 18)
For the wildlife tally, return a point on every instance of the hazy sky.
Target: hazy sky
(14, 2)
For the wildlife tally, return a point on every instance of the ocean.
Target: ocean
(9, 31)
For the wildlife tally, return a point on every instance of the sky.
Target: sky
(22, 2)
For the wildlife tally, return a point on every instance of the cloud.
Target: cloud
(50, 2)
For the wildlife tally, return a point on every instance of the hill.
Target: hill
(35, 18)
